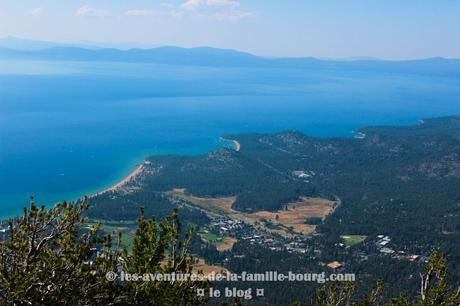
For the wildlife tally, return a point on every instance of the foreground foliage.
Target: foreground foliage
(434, 290)
(52, 258)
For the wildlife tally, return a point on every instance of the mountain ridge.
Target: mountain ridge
(213, 57)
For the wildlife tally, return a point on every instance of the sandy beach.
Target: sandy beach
(140, 169)
(132, 176)
(237, 145)
(235, 142)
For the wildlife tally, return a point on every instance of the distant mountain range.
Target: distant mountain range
(12, 48)
(12, 42)
(16, 43)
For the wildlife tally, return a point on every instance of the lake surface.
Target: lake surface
(70, 129)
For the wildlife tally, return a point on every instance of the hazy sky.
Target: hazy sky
(395, 29)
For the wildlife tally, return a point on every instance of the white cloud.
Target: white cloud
(216, 9)
(91, 12)
(141, 13)
(35, 12)
(192, 4)
(147, 13)
(232, 3)
(196, 4)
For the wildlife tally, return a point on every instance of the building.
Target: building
(334, 265)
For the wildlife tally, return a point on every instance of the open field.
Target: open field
(222, 206)
(210, 237)
(126, 228)
(351, 240)
(222, 243)
(286, 221)
(296, 213)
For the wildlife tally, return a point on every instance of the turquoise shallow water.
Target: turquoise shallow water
(69, 129)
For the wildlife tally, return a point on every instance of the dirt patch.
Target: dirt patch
(293, 216)
(200, 265)
(226, 244)
(289, 220)
(215, 205)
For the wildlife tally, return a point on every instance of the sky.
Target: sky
(387, 29)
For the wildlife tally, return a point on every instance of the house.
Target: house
(334, 265)
(302, 174)
(387, 251)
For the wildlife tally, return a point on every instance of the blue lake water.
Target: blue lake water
(70, 129)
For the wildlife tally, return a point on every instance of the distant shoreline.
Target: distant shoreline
(132, 176)
(235, 142)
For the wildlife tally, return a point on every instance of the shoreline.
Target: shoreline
(141, 168)
(235, 143)
(132, 176)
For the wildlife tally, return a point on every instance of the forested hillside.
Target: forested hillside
(400, 182)
(394, 176)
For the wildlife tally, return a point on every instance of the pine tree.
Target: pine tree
(51, 257)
